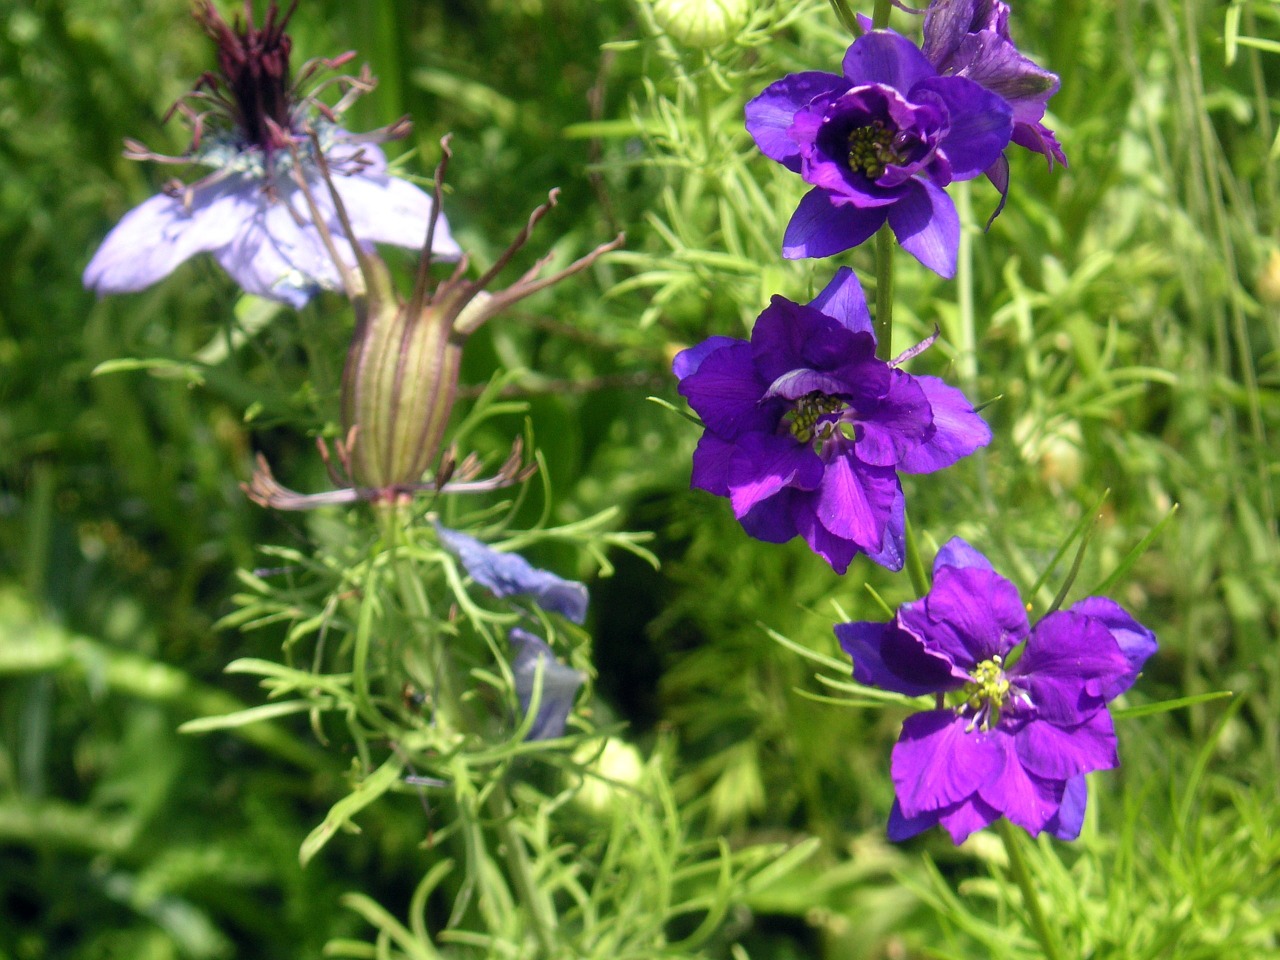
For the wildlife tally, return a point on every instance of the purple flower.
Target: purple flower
(558, 689)
(970, 38)
(259, 131)
(509, 574)
(1018, 733)
(806, 430)
(879, 144)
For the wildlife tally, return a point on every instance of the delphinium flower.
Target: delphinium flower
(401, 375)
(558, 689)
(970, 38)
(1022, 711)
(879, 144)
(260, 129)
(806, 429)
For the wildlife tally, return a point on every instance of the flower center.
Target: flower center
(986, 693)
(808, 412)
(871, 149)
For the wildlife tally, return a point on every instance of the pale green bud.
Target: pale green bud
(702, 23)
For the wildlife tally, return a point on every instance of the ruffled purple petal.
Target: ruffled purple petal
(771, 114)
(946, 22)
(1058, 753)
(559, 684)
(1038, 138)
(893, 546)
(958, 430)
(821, 228)
(970, 615)
(1025, 799)
(967, 818)
(937, 761)
(509, 574)
(855, 499)
(926, 225)
(687, 361)
(725, 392)
(153, 238)
(898, 424)
(981, 123)
(772, 520)
(764, 464)
(1066, 823)
(1136, 642)
(902, 828)
(891, 658)
(843, 300)
(1069, 661)
(883, 56)
(788, 336)
(836, 550)
(712, 459)
(957, 553)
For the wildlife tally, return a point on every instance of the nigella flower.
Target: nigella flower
(259, 130)
(559, 684)
(509, 574)
(970, 38)
(1012, 735)
(879, 144)
(806, 429)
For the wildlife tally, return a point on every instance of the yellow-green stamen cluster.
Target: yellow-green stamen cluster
(986, 692)
(808, 410)
(870, 149)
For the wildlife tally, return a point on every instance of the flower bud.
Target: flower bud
(702, 23)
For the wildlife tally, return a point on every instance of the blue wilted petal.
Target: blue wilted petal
(509, 575)
(560, 684)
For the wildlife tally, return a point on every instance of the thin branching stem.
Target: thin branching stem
(1030, 898)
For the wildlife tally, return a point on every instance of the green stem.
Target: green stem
(1030, 899)
(884, 293)
(880, 14)
(846, 17)
(535, 900)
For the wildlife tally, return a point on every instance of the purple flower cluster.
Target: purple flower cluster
(807, 430)
(1022, 713)
(880, 142)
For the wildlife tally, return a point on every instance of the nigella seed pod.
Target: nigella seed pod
(401, 375)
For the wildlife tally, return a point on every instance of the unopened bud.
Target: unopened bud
(702, 23)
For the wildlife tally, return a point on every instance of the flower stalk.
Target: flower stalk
(1030, 898)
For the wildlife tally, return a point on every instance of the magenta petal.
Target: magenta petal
(958, 430)
(1066, 823)
(1057, 753)
(843, 300)
(883, 56)
(1028, 801)
(821, 228)
(936, 762)
(927, 226)
(855, 499)
(770, 114)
